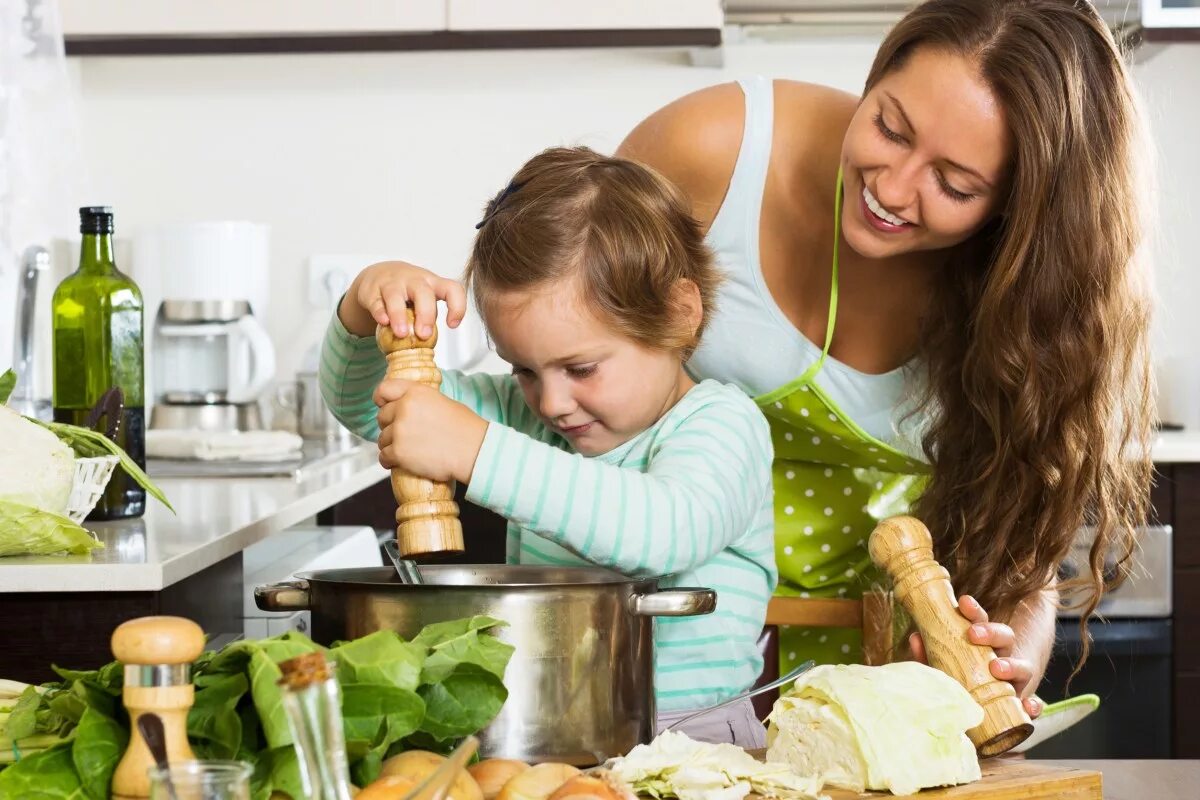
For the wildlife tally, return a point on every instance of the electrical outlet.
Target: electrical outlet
(329, 275)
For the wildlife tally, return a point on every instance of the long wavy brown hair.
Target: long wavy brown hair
(1037, 360)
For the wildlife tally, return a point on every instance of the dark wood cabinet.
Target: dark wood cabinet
(1182, 481)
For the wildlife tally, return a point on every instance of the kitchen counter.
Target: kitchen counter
(215, 518)
(1137, 780)
(1174, 447)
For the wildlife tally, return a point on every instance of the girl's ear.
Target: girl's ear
(688, 305)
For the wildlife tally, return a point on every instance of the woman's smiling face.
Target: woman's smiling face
(926, 158)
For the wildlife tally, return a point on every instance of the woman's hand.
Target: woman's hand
(426, 433)
(1005, 667)
(379, 294)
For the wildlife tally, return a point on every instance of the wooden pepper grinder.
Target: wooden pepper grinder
(157, 653)
(903, 547)
(426, 514)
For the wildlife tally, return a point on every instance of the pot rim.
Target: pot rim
(386, 577)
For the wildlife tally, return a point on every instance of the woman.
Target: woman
(932, 293)
(979, 297)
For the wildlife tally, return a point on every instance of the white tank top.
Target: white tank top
(749, 341)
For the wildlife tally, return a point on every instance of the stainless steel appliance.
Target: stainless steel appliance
(1129, 666)
(581, 679)
(212, 361)
(24, 398)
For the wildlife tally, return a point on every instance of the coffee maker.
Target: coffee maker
(210, 358)
(212, 361)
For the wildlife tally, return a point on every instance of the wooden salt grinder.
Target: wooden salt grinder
(426, 514)
(903, 547)
(157, 653)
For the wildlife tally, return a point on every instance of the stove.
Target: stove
(1147, 591)
(1129, 666)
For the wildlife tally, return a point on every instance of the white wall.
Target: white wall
(396, 153)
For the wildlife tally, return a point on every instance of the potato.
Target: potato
(420, 764)
(599, 785)
(491, 774)
(538, 782)
(393, 787)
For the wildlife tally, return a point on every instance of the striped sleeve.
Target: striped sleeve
(352, 366)
(704, 486)
(350, 369)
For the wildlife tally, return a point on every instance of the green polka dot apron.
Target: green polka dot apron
(833, 483)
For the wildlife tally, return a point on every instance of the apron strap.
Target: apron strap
(833, 289)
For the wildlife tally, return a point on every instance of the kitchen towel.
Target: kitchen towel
(203, 445)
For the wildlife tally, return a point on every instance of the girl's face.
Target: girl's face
(592, 386)
(926, 158)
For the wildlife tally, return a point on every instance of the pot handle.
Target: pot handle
(286, 596)
(676, 602)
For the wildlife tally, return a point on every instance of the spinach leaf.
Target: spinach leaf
(99, 743)
(377, 713)
(48, 775)
(380, 657)
(214, 719)
(466, 700)
(483, 650)
(22, 720)
(440, 633)
(264, 682)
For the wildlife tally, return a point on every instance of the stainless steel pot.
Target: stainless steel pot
(581, 679)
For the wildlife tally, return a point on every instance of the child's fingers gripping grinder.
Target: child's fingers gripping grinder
(426, 515)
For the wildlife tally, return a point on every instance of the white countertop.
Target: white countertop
(216, 518)
(1172, 447)
(219, 517)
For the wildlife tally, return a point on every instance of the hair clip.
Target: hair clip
(494, 206)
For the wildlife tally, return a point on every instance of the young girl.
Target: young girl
(594, 283)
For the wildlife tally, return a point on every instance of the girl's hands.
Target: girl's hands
(426, 433)
(998, 636)
(379, 294)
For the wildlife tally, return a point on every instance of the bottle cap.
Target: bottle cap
(96, 219)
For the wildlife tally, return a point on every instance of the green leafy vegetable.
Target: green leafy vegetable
(49, 775)
(443, 685)
(89, 444)
(25, 530)
(8, 382)
(99, 744)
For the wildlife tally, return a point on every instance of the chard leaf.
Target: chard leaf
(466, 700)
(48, 775)
(213, 717)
(379, 713)
(381, 657)
(22, 721)
(99, 744)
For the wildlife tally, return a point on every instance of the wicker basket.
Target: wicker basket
(91, 476)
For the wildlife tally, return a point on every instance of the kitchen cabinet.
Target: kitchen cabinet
(490, 15)
(181, 27)
(87, 18)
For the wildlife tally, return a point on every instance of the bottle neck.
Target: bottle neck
(96, 254)
(315, 718)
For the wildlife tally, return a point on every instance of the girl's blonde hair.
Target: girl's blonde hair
(1037, 346)
(618, 228)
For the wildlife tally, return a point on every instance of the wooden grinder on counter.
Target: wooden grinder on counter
(426, 515)
(903, 547)
(157, 653)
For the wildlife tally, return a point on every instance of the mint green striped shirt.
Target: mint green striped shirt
(687, 501)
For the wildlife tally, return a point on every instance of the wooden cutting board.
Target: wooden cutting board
(1010, 779)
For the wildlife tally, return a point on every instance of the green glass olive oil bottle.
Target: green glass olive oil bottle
(97, 323)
